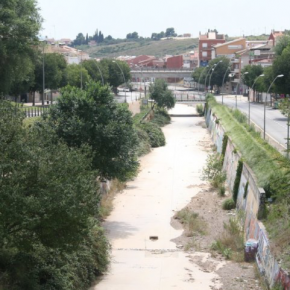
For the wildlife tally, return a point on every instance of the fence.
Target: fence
(189, 98)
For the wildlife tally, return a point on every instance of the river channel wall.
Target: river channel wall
(250, 202)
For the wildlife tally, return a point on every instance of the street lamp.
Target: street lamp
(249, 115)
(238, 87)
(213, 71)
(223, 83)
(100, 74)
(208, 74)
(123, 77)
(278, 76)
(200, 77)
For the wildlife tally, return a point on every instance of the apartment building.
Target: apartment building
(206, 42)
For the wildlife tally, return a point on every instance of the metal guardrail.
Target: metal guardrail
(150, 69)
(189, 98)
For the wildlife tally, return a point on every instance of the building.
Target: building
(228, 49)
(174, 62)
(274, 35)
(206, 42)
(190, 59)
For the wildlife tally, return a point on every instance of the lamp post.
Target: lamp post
(200, 77)
(223, 83)
(278, 76)
(213, 71)
(249, 115)
(43, 75)
(100, 74)
(123, 77)
(238, 87)
(208, 74)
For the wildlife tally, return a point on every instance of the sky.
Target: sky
(66, 18)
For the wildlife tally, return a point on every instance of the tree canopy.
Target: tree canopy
(20, 24)
(160, 93)
(91, 117)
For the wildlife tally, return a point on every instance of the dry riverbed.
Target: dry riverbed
(147, 243)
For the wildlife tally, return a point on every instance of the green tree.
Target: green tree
(253, 72)
(96, 70)
(222, 64)
(282, 43)
(20, 24)
(160, 93)
(74, 73)
(281, 65)
(170, 32)
(199, 75)
(92, 117)
(80, 40)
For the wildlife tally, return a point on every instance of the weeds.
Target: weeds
(192, 222)
(200, 109)
(231, 242)
(212, 172)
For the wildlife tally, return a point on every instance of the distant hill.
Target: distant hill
(139, 47)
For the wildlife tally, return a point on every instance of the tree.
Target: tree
(75, 74)
(20, 24)
(87, 39)
(160, 93)
(92, 117)
(199, 75)
(253, 72)
(282, 43)
(80, 40)
(170, 32)
(219, 71)
(116, 74)
(281, 65)
(46, 190)
(96, 70)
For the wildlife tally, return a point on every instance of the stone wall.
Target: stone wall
(250, 203)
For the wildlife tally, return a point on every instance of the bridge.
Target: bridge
(163, 73)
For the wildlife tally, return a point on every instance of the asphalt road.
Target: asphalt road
(276, 122)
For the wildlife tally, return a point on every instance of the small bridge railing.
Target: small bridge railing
(189, 98)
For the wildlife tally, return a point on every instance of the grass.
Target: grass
(106, 205)
(27, 122)
(263, 159)
(231, 241)
(145, 47)
(192, 222)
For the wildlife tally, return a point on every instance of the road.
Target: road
(169, 177)
(276, 122)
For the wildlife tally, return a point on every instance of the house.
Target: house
(228, 49)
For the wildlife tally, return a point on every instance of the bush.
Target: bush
(229, 204)
(144, 145)
(237, 180)
(221, 190)
(212, 171)
(161, 118)
(155, 134)
(231, 242)
(192, 222)
(200, 109)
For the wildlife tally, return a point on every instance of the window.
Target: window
(204, 53)
(204, 45)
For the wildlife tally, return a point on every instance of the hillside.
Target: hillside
(148, 47)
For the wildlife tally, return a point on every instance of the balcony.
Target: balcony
(236, 61)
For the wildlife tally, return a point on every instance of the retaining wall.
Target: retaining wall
(249, 202)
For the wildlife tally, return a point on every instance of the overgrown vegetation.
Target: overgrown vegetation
(229, 204)
(231, 242)
(271, 169)
(237, 180)
(200, 109)
(191, 221)
(212, 172)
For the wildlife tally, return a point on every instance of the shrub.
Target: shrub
(237, 180)
(231, 242)
(221, 190)
(212, 171)
(161, 118)
(200, 109)
(155, 134)
(192, 222)
(229, 204)
(144, 146)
